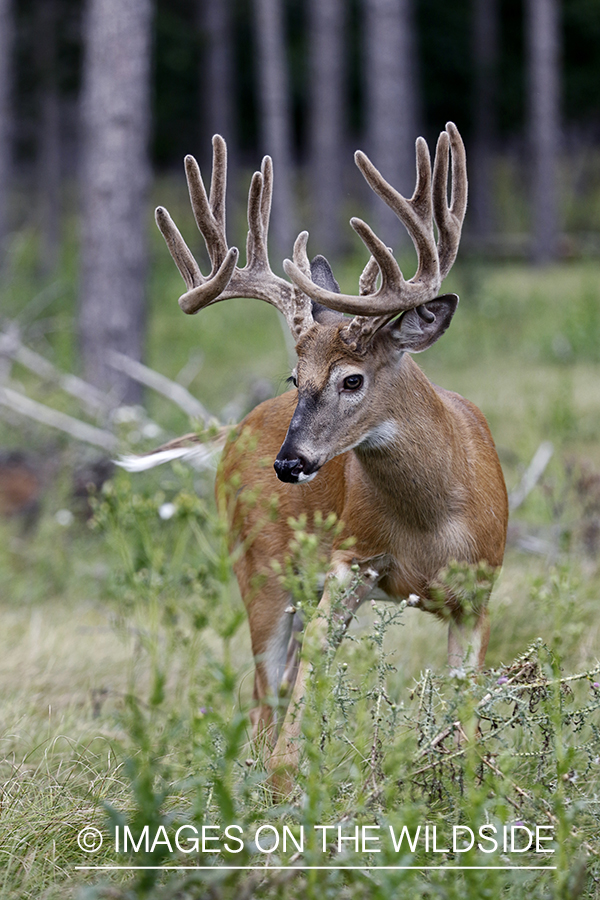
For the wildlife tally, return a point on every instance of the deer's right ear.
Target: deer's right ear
(419, 328)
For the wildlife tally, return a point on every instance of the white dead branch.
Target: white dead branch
(160, 383)
(11, 347)
(24, 405)
(532, 475)
(94, 401)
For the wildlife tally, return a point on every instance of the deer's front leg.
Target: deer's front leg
(355, 583)
(468, 641)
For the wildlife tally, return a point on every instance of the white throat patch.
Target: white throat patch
(380, 436)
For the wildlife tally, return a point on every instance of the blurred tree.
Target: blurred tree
(178, 50)
(326, 126)
(216, 88)
(580, 31)
(445, 56)
(391, 102)
(485, 56)
(6, 72)
(216, 70)
(542, 24)
(114, 183)
(49, 150)
(275, 119)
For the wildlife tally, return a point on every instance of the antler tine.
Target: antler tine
(367, 282)
(179, 250)
(449, 219)
(208, 225)
(254, 238)
(218, 182)
(210, 219)
(201, 291)
(293, 304)
(259, 211)
(266, 171)
(300, 255)
(416, 213)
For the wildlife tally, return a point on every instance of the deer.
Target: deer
(409, 469)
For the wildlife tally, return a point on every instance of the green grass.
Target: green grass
(125, 663)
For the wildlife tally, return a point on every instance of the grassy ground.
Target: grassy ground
(124, 655)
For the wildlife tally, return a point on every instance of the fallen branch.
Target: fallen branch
(160, 383)
(439, 738)
(92, 399)
(533, 473)
(89, 434)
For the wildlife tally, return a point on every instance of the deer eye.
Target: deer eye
(353, 382)
(292, 379)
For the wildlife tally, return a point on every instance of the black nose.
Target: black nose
(289, 470)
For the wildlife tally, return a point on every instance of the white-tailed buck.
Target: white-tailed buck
(409, 468)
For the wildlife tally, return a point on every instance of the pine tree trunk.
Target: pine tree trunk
(544, 125)
(391, 102)
(216, 75)
(6, 44)
(327, 122)
(115, 179)
(49, 151)
(275, 119)
(485, 53)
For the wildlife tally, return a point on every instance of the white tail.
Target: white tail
(197, 452)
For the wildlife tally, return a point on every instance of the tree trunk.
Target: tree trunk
(274, 117)
(6, 43)
(544, 125)
(217, 88)
(392, 90)
(216, 75)
(485, 53)
(49, 138)
(327, 122)
(116, 173)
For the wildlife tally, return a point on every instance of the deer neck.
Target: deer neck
(410, 458)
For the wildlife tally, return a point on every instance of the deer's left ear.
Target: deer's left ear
(419, 328)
